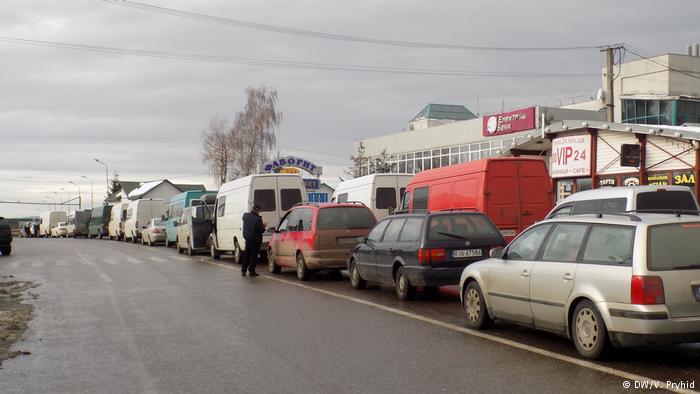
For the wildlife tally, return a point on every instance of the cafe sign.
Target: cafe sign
(277, 165)
(571, 156)
(509, 122)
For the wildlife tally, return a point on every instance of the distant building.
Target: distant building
(439, 114)
(163, 189)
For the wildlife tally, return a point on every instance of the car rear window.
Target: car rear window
(266, 199)
(334, 218)
(674, 247)
(469, 226)
(289, 198)
(386, 198)
(666, 200)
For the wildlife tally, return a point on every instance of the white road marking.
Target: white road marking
(106, 278)
(111, 261)
(158, 259)
(38, 264)
(479, 334)
(14, 264)
(83, 259)
(133, 260)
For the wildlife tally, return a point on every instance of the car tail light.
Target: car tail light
(426, 256)
(155, 230)
(647, 290)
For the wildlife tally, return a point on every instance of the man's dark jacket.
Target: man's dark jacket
(253, 228)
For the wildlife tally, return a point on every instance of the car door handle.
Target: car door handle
(525, 274)
(568, 276)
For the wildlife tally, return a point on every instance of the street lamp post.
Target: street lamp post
(54, 201)
(106, 174)
(68, 200)
(80, 198)
(92, 200)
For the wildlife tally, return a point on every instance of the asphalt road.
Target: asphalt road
(116, 318)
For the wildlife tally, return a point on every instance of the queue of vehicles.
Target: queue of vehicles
(615, 266)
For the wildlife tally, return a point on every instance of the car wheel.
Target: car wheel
(475, 307)
(355, 278)
(213, 252)
(272, 264)
(237, 254)
(190, 252)
(177, 246)
(404, 289)
(302, 270)
(6, 251)
(588, 330)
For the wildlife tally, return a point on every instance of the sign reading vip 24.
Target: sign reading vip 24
(291, 161)
(509, 122)
(571, 156)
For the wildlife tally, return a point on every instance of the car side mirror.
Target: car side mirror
(496, 253)
(364, 240)
(271, 230)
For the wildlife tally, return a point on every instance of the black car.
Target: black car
(5, 238)
(422, 250)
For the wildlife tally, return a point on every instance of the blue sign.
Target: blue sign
(291, 161)
(318, 197)
(312, 184)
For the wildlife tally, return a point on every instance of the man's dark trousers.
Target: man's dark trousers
(250, 255)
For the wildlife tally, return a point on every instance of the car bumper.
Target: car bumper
(637, 325)
(433, 277)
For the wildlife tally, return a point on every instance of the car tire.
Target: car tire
(177, 246)
(272, 264)
(6, 251)
(237, 253)
(355, 278)
(190, 252)
(213, 252)
(404, 289)
(303, 272)
(475, 307)
(588, 331)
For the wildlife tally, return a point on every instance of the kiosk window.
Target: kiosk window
(386, 198)
(289, 198)
(266, 199)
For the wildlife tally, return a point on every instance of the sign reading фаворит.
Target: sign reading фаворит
(292, 161)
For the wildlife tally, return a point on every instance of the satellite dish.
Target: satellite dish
(599, 95)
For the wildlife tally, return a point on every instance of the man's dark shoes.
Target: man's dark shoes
(254, 274)
(243, 273)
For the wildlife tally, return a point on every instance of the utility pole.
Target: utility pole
(609, 80)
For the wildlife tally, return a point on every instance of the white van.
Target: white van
(139, 213)
(648, 198)
(50, 220)
(380, 192)
(275, 193)
(117, 219)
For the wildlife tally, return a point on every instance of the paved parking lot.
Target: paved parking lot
(116, 317)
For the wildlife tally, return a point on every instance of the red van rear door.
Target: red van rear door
(503, 196)
(535, 192)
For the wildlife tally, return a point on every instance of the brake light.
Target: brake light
(647, 290)
(426, 256)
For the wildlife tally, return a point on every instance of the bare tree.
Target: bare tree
(217, 149)
(359, 160)
(253, 131)
(381, 163)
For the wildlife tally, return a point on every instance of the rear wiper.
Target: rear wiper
(455, 236)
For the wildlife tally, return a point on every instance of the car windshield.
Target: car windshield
(674, 247)
(666, 200)
(465, 226)
(333, 218)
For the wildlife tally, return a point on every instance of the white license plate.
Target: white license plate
(466, 253)
(508, 233)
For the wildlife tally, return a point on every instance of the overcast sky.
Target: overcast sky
(143, 116)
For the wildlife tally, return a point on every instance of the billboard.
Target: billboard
(509, 122)
(571, 156)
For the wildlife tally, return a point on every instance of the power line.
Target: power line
(290, 64)
(333, 36)
(666, 66)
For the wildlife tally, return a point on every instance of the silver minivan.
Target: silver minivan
(606, 279)
(647, 198)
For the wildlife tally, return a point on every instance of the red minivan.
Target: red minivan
(314, 237)
(513, 192)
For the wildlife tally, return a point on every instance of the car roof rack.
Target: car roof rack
(633, 218)
(677, 212)
(470, 209)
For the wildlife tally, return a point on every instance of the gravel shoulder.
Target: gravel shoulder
(14, 315)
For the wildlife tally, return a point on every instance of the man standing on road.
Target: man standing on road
(253, 229)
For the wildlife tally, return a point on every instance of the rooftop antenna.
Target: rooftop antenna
(503, 104)
(477, 105)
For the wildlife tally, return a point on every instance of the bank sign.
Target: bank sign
(291, 161)
(571, 156)
(509, 122)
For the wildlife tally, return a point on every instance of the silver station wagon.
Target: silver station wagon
(601, 280)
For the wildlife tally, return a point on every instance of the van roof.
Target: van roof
(466, 168)
(247, 180)
(368, 179)
(620, 191)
